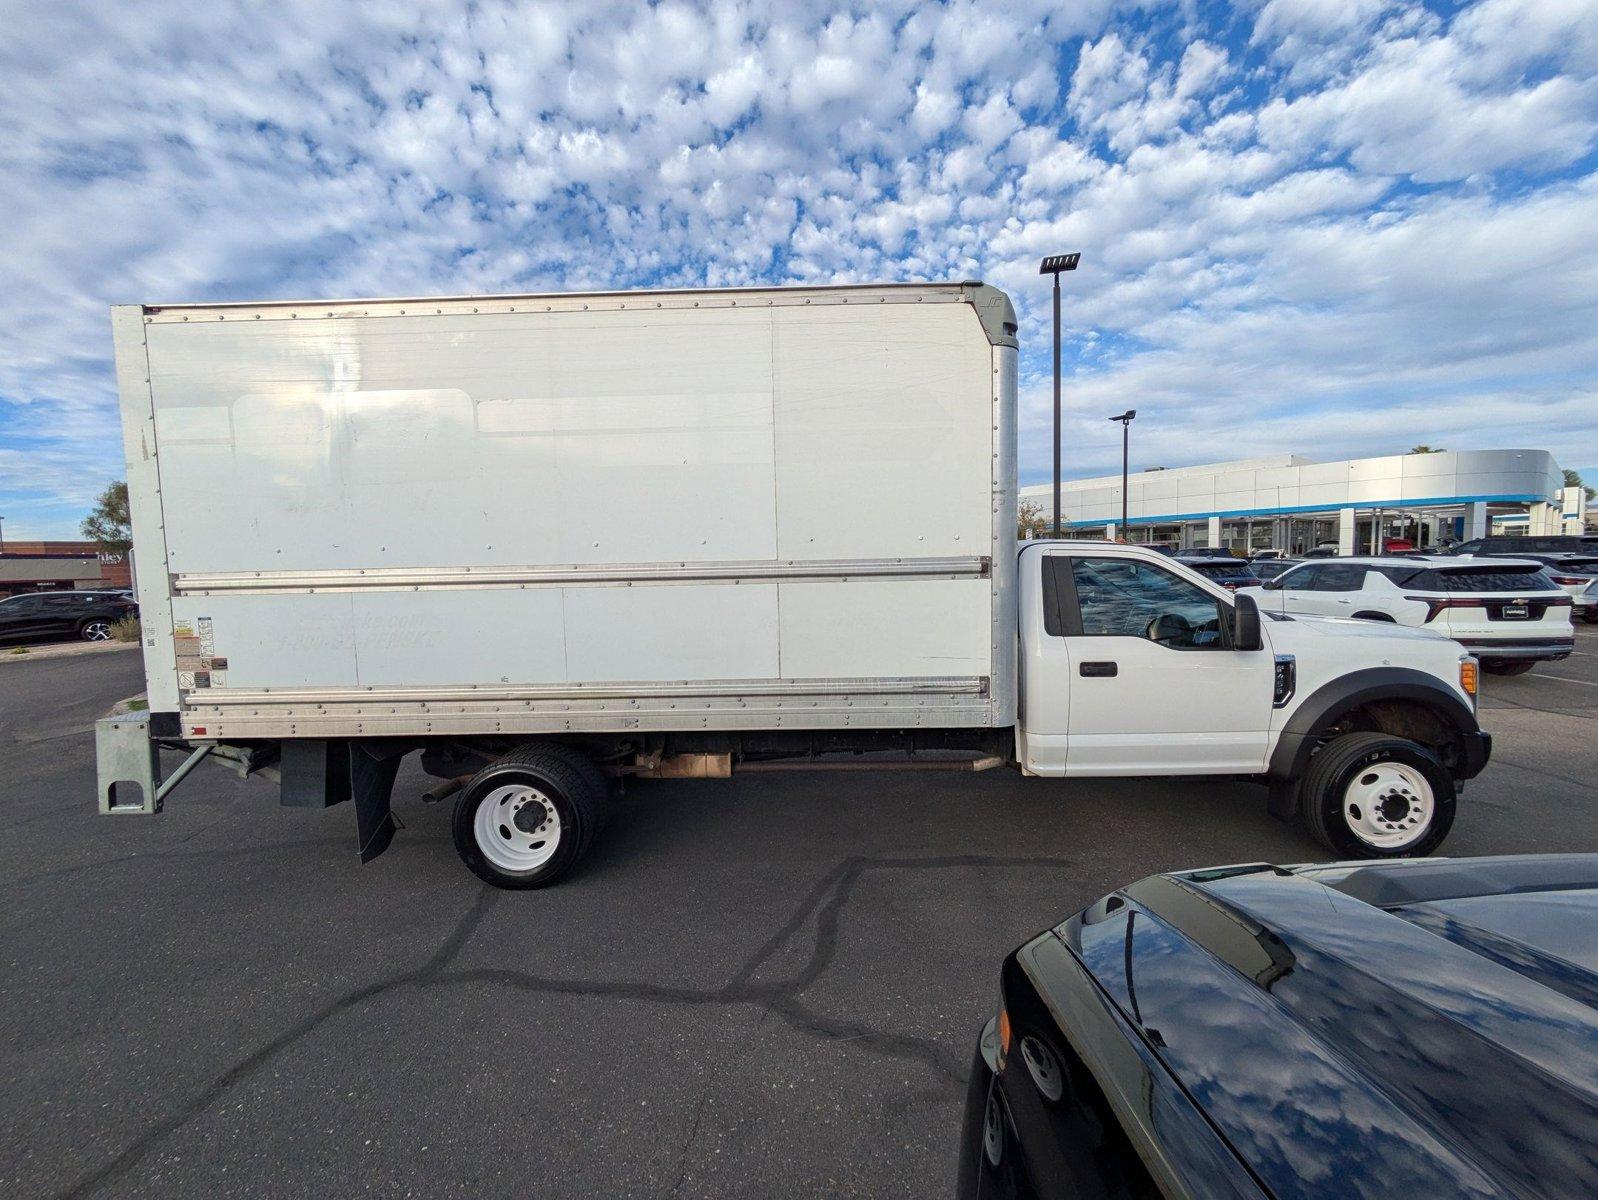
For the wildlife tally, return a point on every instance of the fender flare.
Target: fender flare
(1320, 710)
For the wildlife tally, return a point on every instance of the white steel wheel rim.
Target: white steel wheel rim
(97, 631)
(1389, 805)
(512, 832)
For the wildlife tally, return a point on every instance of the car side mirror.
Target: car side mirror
(1246, 633)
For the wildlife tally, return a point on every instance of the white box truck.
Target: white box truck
(551, 542)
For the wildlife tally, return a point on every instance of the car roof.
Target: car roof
(1437, 1016)
(1434, 560)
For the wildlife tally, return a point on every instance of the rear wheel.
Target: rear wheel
(95, 631)
(1372, 795)
(526, 820)
(1506, 666)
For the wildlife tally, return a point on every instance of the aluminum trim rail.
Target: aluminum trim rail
(624, 574)
(719, 689)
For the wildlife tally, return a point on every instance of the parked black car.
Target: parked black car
(1413, 1028)
(36, 616)
(1229, 573)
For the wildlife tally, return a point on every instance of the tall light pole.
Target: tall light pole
(1053, 265)
(1126, 433)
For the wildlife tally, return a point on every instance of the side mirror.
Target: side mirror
(1246, 624)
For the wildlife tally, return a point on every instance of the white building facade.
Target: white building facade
(1291, 503)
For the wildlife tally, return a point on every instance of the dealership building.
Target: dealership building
(60, 566)
(1292, 503)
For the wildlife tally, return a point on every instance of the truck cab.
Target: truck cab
(1132, 664)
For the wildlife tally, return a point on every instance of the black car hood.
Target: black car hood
(1415, 1046)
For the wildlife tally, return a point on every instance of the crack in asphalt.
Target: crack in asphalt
(1500, 760)
(135, 1153)
(824, 903)
(1552, 712)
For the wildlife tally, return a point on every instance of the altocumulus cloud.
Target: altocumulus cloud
(1331, 226)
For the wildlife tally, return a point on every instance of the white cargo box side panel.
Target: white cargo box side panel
(883, 432)
(371, 518)
(890, 628)
(432, 441)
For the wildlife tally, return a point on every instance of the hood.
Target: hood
(1349, 627)
(1372, 1040)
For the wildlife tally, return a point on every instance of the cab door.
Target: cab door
(1298, 591)
(1134, 674)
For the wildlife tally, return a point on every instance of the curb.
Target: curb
(61, 650)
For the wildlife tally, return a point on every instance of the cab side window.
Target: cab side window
(1117, 598)
(1300, 579)
(1348, 577)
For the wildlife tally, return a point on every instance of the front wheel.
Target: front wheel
(526, 820)
(1372, 795)
(1506, 666)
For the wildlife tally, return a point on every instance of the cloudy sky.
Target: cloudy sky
(1334, 227)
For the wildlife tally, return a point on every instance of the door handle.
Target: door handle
(1098, 670)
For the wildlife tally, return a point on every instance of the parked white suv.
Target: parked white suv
(1508, 612)
(1576, 574)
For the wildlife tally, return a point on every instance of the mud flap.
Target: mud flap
(1284, 800)
(373, 766)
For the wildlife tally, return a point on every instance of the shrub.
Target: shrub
(127, 629)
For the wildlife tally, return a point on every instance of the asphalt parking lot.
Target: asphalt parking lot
(762, 987)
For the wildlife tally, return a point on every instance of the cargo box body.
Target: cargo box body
(736, 510)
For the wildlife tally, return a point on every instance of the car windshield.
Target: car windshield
(1481, 579)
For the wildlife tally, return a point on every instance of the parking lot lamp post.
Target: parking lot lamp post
(1053, 265)
(1126, 427)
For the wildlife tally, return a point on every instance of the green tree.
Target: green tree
(107, 523)
(1572, 479)
(1425, 449)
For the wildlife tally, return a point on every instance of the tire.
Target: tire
(1374, 616)
(1506, 666)
(95, 630)
(1349, 773)
(501, 844)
